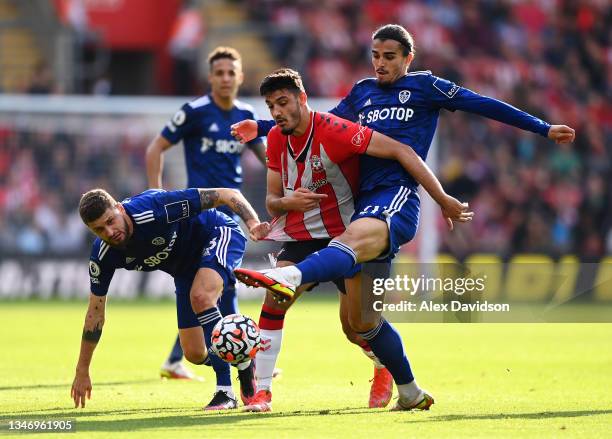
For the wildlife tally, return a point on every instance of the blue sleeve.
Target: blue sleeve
(445, 94)
(180, 125)
(345, 108)
(102, 265)
(264, 127)
(178, 205)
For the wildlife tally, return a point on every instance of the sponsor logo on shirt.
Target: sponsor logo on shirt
(317, 184)
(161, 256)
(397, 113)
(222, 146)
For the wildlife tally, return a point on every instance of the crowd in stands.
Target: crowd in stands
(552, 58)
(43, 172)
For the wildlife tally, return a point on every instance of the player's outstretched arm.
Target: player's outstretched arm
(467, 100)
(234, 199)
(92, 331)
(385, 147)
(155, 161)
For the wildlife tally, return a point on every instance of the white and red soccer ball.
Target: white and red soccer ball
(235, 338)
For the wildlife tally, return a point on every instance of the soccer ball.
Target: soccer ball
(235, 338)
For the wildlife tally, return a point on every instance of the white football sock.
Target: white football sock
(271, 340)
(228, 390)
(408, 393)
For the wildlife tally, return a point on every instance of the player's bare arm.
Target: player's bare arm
(154, 158)
(92, 331)
(385, 147)
(278, 204)
(210, 198)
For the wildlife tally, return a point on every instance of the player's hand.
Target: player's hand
(81, 388)
(244, 131)
(303, 200)
(259, 231)
(561, 134)
(455, 210)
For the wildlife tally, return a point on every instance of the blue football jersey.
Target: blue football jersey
(212, 155)
(407, 110)
(170, 233)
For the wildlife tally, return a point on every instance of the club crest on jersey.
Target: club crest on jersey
(158, 241)
(94, 269)
(404, 95)
(359, 138)
(316, 164)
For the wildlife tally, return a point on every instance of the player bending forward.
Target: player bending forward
(212, 158)
(313, 173)
(404, 106)
(182, 234)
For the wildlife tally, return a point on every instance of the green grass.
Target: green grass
(489, 380)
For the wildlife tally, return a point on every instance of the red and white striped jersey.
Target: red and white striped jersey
(325, 159)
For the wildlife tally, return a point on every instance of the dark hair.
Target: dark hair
(282, 79)
(223, 52)
(397, 33)
(94, 203)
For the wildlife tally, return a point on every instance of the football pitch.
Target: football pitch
(489, 380)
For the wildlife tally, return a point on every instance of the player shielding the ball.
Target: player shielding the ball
(181, 233)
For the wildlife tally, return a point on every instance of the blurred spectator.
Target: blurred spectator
(184, 46)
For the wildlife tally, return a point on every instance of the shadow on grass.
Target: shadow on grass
(502, 416)
(156, 417)
(67, 385)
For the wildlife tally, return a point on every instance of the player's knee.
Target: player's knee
(357, 324)
(203, 299)
(195, 354)
(367, 244)
(350, 334)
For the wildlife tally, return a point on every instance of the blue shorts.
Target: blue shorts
(223, 253)
(398, 206)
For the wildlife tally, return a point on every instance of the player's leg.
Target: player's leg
(174, 367)
(205, 291)
(365, 238)
(216, 266)
(381, 390)
(271, 322)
